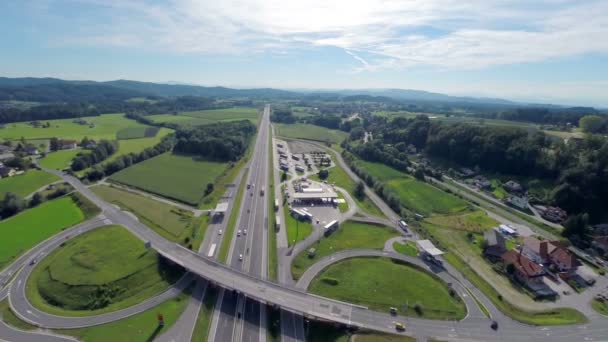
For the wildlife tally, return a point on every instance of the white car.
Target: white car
(220, 232)
(240, 257)
(244, 231)
(238, 233)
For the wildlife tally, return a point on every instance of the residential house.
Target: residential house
(32, 150)
(495, 245)
(537, 250)
(68, 144)
(91, 144)
(518, 201)
(466, 172)
(6, 156)
(7, 172)
(482, 182)
(512, 186)
(563, 260)
(5, 149)
(549, 253)
(526, 271)
(553, 214)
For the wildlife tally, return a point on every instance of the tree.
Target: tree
(360, 190)
(419, 173)
(510, 269)
(323, 174)
(35, 200)
(11, 204)
(209, 189)
(54, 144)
(592, 123)
(283, 176)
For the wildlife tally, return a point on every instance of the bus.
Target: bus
(276, 204)
(212, 250)
(403, 225)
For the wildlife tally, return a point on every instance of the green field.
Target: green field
(408, 248)
(26, 183)
(137, 132)
(98, 127)
(171, 222)
(104, 270)
(338, 176)
(381, 283)
(296, 230)
(205, 117)
(179, 177)
(138, 328)
(350, 235)
(600, 307)
(179, 120)
(310, 132)
(418, 196)
(59, 160)
(25, 230)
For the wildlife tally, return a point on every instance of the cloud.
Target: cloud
(398, 33)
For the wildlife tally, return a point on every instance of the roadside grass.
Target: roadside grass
(171, 222)
(296, 230)
(98, 127)
(340, 177)
(59, 160)
(101, 271)
(326, 332)
(408, 248)
(599, 306)
(382, 283)
(140, 327)
(28, 228)
(476, 221)
(555, 316)
(497, 190)
(8, 316)
(26, 183)
(310, 132)
(350, 235)
(178, 177)
(272, 233)
(203, 320)
(229, 233)
(381, 337)
(418, 196)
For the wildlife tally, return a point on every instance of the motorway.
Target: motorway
(245, 282)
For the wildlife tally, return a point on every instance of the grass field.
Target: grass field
(179, 177)
(171, 222)
(25, 230)
(350, 235)
(138, 328)
(26, 183)
(104, 270)
(418, 196)
(296, 230)
(381, 283)
(137, 132)
(225, 114)
(310, 132)
(59, 160)
(408, 248)
(98, 127)
(338, 176)
(600, 307)
(179, 120)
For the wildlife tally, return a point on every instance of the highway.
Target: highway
(298, 301)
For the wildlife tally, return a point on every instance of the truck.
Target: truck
(262, 192)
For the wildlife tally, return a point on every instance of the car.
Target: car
(393, 311)
(240, 257)
(248, 186)
(238, 233)
(244, 231)
(399, 326)
(220, 232)
(494, 325)
(33, 261)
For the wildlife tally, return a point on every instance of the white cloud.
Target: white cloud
(398, 33)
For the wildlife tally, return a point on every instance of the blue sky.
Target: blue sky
(541, 51)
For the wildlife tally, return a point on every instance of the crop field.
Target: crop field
(26, 183)
(167, 220)
(98, 127)
(103, 270)
(418, 196)
(137, 132)
(310, 132)
(226, 114)
(25, 230)
(350, 235)
(381, 283)
(179, 177)
(59, 160)
(179, 119)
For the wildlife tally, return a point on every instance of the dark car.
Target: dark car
(494, 325)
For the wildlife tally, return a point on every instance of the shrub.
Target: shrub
(330, 281)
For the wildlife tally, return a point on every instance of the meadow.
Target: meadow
(382, 283)
(28, 228)
(103, 270)
(136, 132)
(180, 177)
(204, 117)
(59, 160)
(350, 235)
(310, 132)
(296, 230)
(25, 184)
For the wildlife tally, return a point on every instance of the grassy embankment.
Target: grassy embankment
(272, 233)
(407, 248)
(350, 235)
(382, 283)
(296, 230)
(26, 183)
(310, 132)
(103, 270)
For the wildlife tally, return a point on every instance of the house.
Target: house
(600, 243)
(91, 144)
(526, 271)
(7, 172)
(32, 150)
(482, 182)
(5, 149)
(563, 260)
(549, 253)
(512, 186)
(495, 245)
(6, 156)
(68, 144)
(466, 172)
(517, 201)
(553, 214)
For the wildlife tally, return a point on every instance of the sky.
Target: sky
(542, 51)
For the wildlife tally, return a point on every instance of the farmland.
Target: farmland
(381, 283)
(350, 235)
(59, 160)
(26, 183)
(418, 196)
(179, 177)
(100, 271)
(27, 229)
(310, 132)
(203, 117)
(136, 132)
(97, 127)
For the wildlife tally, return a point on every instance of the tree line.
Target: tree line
(101, 152)
(225, 141)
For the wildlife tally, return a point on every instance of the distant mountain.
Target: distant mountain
(421, 95)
